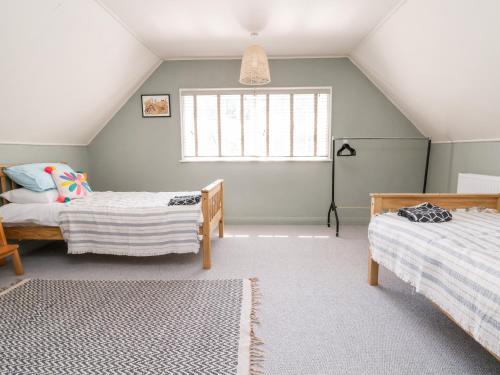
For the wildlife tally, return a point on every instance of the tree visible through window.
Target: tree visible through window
(265, 124)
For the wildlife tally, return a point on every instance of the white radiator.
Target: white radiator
(478, 183)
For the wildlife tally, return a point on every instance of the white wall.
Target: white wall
(65, 68)
(438, 61)
(450, 159)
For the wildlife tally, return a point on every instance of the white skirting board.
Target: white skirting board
(478, 183)
(280, 220)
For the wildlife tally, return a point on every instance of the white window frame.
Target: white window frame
(189, 159)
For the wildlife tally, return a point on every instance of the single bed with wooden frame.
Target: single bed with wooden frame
(212, 207)
(381, 203)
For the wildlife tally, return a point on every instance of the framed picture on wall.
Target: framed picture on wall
(155, 105)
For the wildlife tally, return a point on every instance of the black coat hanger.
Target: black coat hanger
(346, 146)
(352, 152)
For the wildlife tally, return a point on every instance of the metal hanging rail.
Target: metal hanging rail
(333, 206)
(364, 138)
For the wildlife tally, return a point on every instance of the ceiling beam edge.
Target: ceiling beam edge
(122, 23)
(372, 31)
(392, 99)
(131, 92)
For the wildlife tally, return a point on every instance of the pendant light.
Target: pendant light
(254, 66)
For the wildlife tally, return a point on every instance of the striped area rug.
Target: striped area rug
(129, 327)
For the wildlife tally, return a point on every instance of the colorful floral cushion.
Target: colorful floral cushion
(70, 185)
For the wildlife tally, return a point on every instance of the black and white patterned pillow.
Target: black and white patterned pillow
(184, 200)
(425, 213)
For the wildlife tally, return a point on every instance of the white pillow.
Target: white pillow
(23, 195)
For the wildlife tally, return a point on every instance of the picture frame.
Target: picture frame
(155, 105)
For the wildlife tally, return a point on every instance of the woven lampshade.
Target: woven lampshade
(254, 67)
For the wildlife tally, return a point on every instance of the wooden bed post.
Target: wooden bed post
(3, 241)
(221, 221)
(3, 184)
(376, 208)
(207, 261)
(212, 207)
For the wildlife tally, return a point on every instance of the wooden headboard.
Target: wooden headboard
(5, 183)
(393, 202)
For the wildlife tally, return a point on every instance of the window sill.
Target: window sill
(253, 159)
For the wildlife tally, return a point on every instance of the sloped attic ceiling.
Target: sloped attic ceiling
(66, 67)
(439, 62)
(201, 28)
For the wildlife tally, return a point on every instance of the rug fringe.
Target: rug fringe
(12, 285)
(256, 353)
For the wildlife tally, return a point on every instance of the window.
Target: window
(255, 124)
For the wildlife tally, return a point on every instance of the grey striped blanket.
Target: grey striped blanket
(136, 223)
(455, 264)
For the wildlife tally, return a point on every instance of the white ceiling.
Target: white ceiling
(66, 67)
(439, 62)
(221, 28)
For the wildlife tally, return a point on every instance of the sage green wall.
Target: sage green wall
(450, 159)
(76, 156)
(133, 153)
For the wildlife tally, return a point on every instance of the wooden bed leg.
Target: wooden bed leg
(221, 221)
(212, 207)
(205, 247)
(3, 239)
(221, 228)
(207, 260)
(372, 271)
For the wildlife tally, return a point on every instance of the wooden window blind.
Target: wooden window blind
(263, 124)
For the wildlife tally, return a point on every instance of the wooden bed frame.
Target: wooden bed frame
(212, 206)
(381, 203)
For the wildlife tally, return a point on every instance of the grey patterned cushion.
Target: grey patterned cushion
(425, 213)
(184, 200)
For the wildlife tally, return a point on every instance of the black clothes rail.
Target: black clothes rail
(333, 205)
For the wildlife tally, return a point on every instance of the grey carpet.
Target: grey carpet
(318, 314)
(121, 327)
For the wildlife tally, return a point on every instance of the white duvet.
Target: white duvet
(120, 223)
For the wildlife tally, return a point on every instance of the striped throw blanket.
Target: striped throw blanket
(136, 224)
(455, 264)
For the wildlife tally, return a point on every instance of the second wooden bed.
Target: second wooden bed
(381, 203)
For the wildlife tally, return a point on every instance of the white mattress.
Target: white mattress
(31, 213)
